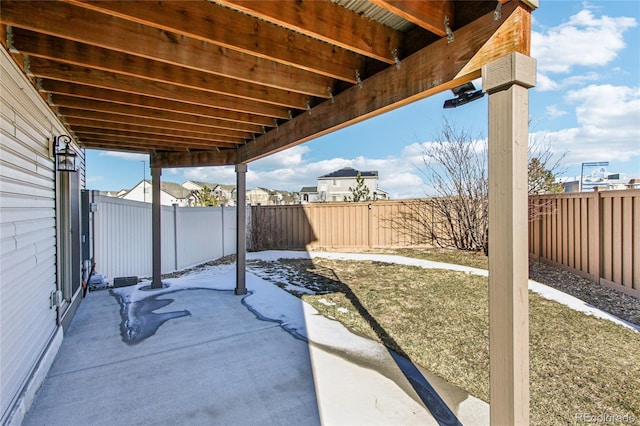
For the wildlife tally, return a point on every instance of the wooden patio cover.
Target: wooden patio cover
(202, 83)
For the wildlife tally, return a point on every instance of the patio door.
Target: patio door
(69, 255)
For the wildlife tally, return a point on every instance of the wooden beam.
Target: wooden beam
(205, 138)
(429, 15)
(74, 53)
(152, 138)
(431, 70)
(113, 146)
(108, 117)
(111, 143)
(80, 24)
(211, 23)
(94, 106)
(329, 22)
(86, 95)
(514, 27)
(44, 68)
(223, 157)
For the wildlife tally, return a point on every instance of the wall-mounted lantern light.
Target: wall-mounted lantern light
(65, 157)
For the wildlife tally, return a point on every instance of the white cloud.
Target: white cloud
(585, 40)
(609, 125)
(288, 158)
(553, 111)
(290, 171)
(225, 174)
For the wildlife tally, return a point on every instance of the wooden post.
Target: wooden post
(241, 228)
(156, 229)
(507, 81)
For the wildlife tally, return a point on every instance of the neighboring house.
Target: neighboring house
(271, 197)
(257, 197)
(309, 194)
(115, 194)
(225, 194)
(41, 239)
(278, 197)
(335, 186)
(170, 193)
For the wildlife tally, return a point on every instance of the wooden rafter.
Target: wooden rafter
(146, 122)
(198, 138)
(209, 22)
(328, 22)
(113, 81)
(166, 105)
(120, 35)
(88, 107)
(435, 68)
(74, 53)
(150, 138)
(429, 15)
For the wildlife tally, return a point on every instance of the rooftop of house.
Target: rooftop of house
(309, 189)
(175, 190)
(349, 172)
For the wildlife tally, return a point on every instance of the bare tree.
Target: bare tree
(545, 166)
(455, 216)
(455, 168)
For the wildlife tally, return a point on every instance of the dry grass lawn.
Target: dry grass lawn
(439, 319)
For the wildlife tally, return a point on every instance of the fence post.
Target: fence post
(222, 226)
(175, 235)
(369, 237)
(595, 231)
(538, 222)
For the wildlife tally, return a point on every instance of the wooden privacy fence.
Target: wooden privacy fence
(593, 234)
(335, 225)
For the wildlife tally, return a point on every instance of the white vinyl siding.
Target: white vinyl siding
(27, 230)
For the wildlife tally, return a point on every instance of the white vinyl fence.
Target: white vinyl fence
(190, 235)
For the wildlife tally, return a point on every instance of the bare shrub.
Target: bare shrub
(264, 232)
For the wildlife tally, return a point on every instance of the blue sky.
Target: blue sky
(586, 104)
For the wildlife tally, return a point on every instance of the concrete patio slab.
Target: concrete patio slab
(194, 355)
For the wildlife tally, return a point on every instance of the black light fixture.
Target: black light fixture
(65, 157)
(464, 94)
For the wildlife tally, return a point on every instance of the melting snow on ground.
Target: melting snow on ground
(274, 303)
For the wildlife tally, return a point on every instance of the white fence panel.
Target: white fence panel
(168, 241)
(190, 235)
(204, 227)
(229, 227)
(122, 237)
